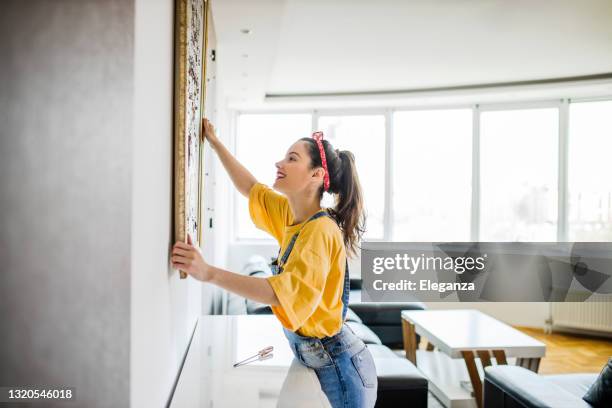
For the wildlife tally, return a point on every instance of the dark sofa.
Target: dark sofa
(508, 386)
(384, 319)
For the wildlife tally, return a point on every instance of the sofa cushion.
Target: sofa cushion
(385, 319)
(364, 333)
(381, 313)
(398, 374)
(577, 384)
(526, 388)
(400, 383)
(381, 351)
(352, 316)
(600, 392)
(355, 283)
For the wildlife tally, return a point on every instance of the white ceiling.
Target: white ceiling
(308, 47)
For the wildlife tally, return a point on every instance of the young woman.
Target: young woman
(308, 290)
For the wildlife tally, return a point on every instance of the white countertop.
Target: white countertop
(208, 378)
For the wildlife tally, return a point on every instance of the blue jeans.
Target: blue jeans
(343, 364)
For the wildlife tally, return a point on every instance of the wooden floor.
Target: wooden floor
(571, 353)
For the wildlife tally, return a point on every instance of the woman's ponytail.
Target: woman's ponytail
(348, 210)
(344, 184)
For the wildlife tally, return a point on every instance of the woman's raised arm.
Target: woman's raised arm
(241, 177)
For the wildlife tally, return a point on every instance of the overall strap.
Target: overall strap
(295, 236)
(346, 290)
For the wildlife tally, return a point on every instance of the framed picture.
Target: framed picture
(189, 98)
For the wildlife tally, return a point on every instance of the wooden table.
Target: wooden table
(469, 335)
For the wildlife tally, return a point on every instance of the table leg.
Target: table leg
(485, 358)
(532, 364)
(410, 344)
(500, 356)
(536, 365)
(470, 363)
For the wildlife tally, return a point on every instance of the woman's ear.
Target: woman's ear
(319, 172)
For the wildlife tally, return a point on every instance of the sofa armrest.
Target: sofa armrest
(514, 386)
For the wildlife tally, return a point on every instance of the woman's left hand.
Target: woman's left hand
(188, 258)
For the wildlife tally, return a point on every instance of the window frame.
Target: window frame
(565, 232)
(318, 113)
(561, 159)
(561, 104)
(235, 117)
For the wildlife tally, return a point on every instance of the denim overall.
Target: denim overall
(342, 362)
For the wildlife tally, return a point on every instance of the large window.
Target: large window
(541, 171)
(261, 141)
(590, 172)
(518, 173)
(432, 175)
(364, 136)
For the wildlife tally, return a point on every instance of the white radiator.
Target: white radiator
(594, 316)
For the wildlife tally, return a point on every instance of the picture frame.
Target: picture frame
(190, 48)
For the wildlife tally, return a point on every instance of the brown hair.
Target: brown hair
(344, 184)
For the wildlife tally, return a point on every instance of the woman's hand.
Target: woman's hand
(208, 132)
(241, 177)
(188, 258)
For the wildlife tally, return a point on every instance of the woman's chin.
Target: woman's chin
(278, 185)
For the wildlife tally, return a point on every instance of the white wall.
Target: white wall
(211, 295)
(164, 308)
(223, 186)
(528, 314)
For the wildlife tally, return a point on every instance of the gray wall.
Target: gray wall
(66, 79)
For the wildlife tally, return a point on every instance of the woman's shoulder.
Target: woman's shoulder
(324, 228)
(259, 188)
(270, 203)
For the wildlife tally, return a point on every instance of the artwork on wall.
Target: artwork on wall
(189, 96)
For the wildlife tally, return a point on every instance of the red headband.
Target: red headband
(318, 137)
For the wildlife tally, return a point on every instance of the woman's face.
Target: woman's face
(293, 171)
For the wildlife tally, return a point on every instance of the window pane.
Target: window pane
(261, 141)
(590, 172)
(518, 168)
(432, 175)
(364, 136)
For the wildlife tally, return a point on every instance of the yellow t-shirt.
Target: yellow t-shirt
(310, 287)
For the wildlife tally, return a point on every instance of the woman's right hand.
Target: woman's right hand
(242, 179)
(208, 132)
